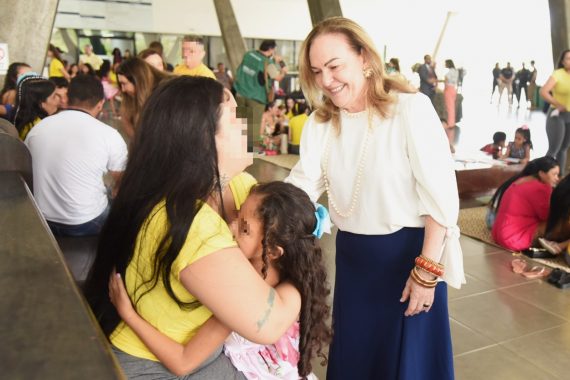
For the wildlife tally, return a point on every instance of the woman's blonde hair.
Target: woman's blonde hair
(145, 78)
(379, 85)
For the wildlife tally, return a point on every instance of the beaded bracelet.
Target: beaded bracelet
(421, 281)
(429, 265)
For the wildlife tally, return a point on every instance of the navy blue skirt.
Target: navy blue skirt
(372, 337)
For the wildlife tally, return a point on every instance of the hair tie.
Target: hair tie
(524, 127)
(323, 221)
(29, 74)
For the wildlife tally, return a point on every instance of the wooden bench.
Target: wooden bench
(46, 327)
(477, 181)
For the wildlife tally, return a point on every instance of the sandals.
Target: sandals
(520, 266)
(550, 246)
(537, 272)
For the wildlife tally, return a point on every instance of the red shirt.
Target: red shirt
(522, 208)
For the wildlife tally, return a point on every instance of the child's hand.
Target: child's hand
(119, 296)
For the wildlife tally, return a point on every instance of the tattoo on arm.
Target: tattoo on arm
(270, 301)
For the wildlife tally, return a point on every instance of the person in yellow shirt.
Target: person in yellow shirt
(167, 233)
(91, 58)
(56, 66)
(193, 53)
(558, 117)
(296, 125)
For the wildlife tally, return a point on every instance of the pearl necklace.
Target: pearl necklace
(357, 180)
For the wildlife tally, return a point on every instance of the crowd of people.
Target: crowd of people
(203, 273)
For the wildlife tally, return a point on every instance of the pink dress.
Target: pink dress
(522, 208)
(272, 362)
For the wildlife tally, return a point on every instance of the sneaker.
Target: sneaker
(550, 246)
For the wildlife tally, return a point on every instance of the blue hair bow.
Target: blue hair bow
(323, 221)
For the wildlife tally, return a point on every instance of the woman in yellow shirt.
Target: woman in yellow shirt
(558, 118)
(56, 66)
(167, 232)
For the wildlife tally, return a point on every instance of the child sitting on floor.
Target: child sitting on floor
(520, 148)
(496, 148)
(277, 230)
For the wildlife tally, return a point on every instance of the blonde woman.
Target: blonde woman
(377, 148)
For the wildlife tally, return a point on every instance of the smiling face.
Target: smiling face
(338, 71)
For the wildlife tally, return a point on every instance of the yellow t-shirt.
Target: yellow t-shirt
(296, 125)
(55, 68)
(200, 71)
(208, 233)
(561, 90)
(28, 127)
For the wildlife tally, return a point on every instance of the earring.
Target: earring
(367, 73)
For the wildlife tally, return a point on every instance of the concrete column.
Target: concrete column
(71, 42)
(559, 27)
(231, 35)
(323, 9)
(26, 26)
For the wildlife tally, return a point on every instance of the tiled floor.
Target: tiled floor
(504, 326)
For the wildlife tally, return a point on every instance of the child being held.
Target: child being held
(277, 230)
(496, 148)
(520, 148)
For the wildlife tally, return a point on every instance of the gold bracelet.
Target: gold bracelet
(428, 272)
(418, 279)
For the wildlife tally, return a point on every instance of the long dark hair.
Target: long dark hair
(542, 164)
(559, 207)
(173, 159)
(561, 59)
(288, 219)
(525, 132)
(12, 77)
(32, 92)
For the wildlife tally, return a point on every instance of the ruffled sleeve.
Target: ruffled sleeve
(432, 166)
(307, 173)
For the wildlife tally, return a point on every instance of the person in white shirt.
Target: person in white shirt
(71, 152)
(378, 149)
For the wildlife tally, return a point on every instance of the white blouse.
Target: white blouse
(407, 172)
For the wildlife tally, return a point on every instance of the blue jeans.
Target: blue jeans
(92, 227)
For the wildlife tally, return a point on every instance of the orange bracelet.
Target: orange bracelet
(430, 266)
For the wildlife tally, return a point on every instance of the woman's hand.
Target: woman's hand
(119, 296)
(421, 298)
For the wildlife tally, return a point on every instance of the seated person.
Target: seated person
(61, 87)
(557, 235)
(36, 99)
(495, 149)
(520, 148)
(522, 204)
(71, 151)
(296, 125)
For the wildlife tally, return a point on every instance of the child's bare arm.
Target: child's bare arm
(179, 359)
